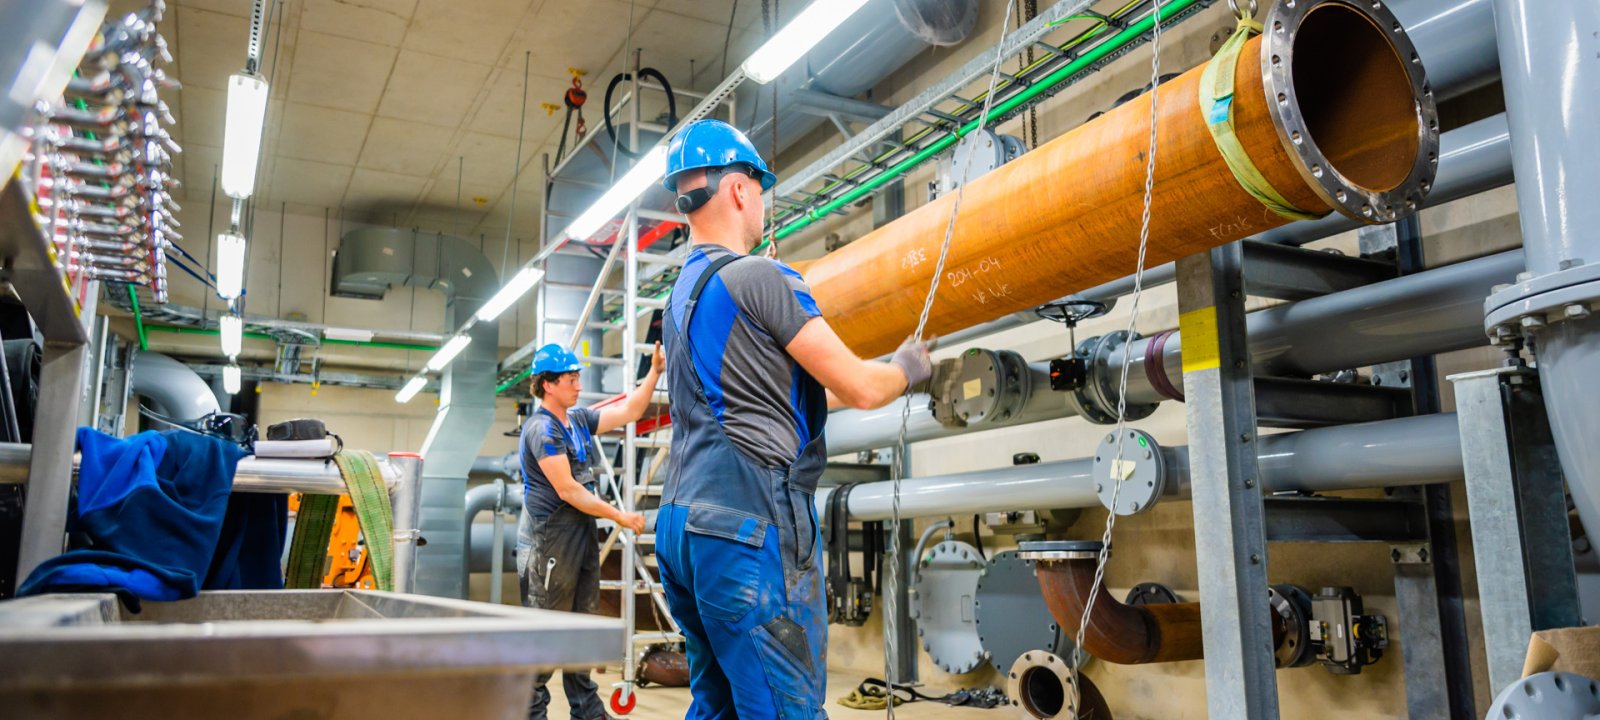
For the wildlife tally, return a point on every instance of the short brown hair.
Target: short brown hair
(547, 377)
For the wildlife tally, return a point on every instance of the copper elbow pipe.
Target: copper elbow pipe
(1331, 103)
(1116, 632)
(1123, 634)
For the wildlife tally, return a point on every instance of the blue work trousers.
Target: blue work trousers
(757, 645)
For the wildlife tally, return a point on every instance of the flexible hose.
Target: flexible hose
(672, 105)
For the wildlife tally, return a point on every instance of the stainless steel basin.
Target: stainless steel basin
(285, 654)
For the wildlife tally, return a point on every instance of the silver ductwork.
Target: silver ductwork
(177, 391)
(369, 262)
(879, 38)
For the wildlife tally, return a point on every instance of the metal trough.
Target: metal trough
(285, 654)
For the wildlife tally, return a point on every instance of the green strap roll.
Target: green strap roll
(308, 552)
(1216, 106)
(364, 480)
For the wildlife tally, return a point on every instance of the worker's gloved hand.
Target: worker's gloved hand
(913, 360)
(632, 521)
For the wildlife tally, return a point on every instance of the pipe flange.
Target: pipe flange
(1548, 696)
(1340, 192)
(1141, 471)
(1096, 401)
(1572, 293)
(1152, 593)
(1044, 550)
(1293, 606)
(1040, 685)
(943, 588)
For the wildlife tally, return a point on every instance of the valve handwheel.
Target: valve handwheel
(622, 706)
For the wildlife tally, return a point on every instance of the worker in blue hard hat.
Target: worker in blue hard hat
(754, 369)
(558, 550)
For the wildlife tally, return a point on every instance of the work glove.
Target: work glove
(913, 360)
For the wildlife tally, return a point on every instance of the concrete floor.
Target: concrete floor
(658, 703)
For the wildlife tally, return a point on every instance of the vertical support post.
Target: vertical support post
(99, 344)
(405, 498)
(1230, 544)
(497, 560)
(1432, 617)
(44, 518)
(1517, 508)
(630, 371)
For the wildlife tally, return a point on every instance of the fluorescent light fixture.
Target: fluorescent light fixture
(241, 143)
(451, 349)
(230, 265)
(230, 379)
(648, 172)
(351, 334)
(798, 37)
(232, 335)
(520, 284)
(411, 389)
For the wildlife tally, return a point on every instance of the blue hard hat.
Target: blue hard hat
(555, 358)
(713, 144)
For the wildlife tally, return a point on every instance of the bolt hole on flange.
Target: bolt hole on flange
(1360, 119)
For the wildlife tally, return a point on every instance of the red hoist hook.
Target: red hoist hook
(575, 98)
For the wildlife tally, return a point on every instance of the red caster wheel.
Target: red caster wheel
(621, 707)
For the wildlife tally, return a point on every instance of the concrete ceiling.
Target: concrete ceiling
(379, 106)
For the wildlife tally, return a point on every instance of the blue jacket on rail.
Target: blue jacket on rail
(153, 507)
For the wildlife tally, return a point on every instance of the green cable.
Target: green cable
(1098, 53)
(138, 319)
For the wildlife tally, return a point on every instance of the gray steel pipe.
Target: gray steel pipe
(1405, 451)
(1548, 53)
(1423, 314)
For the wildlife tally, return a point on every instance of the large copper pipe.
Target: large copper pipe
(1116, 632)
(1350, 127)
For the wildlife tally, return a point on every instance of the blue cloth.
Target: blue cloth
(152, 506)
(757, 645)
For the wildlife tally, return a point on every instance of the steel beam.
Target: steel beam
(1290, 273)
(1295, 403)
(1516, 504)
(1291, 519)
(1229, 519)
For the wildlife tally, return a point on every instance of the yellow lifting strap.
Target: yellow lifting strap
(1216, 106)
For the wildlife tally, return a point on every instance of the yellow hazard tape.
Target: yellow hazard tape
(1216, 106)
(1198, 328)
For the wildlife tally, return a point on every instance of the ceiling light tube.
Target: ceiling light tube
(230, 265)
(230, 379)
(411, 389)
(232, 335)
(241, 144)
(519, 285)
(797, 38)
(449, 352)
(647, 172)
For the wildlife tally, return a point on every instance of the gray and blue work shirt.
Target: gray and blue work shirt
(747, 315)
(544, 436)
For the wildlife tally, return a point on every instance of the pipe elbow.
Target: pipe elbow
(1115, 632)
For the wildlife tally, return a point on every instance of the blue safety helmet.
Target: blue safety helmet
(713, 144)
(555, 358)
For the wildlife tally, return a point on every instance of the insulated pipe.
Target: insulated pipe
(1387, 453)
(1435, 311)
(1353, 129)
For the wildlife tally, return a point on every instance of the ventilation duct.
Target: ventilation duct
(368, 263)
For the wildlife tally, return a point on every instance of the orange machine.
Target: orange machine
(347, 565)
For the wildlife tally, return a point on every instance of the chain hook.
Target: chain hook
(1240, 13)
